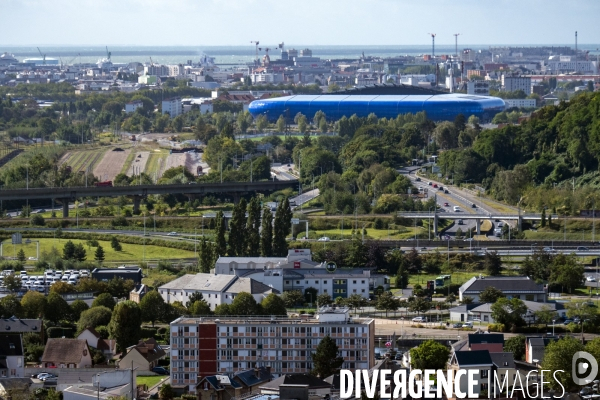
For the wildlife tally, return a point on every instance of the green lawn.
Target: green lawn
(497, 206)
(130, 252)
(153, 165)
(380, 234)
(149, 380)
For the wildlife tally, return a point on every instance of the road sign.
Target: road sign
(17, 238)
(295, 221)
(330, 266)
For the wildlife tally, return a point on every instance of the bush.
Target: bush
(148, 332)
(38, 220)
(58, 332)
(496, 328)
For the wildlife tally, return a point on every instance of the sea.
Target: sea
(233, 55)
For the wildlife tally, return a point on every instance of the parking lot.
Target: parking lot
(42, 283)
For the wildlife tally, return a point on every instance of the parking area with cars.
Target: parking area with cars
(42, 283)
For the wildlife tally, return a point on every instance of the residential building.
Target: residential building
(148, 79)
(17, 325)
(558, 64)
(172, 106)
(107, 274)
(108, 347)
(66, 353)
(134, 105)
(209, 345)
(462, 312)
(90, 385)
(239, 384)
(520, 287)
(138, 293)
(514, 83)
(521, 103)
(215, 289)
(480, 88)
(12, 359)
(484, 311)
(492, 342)
(535, 347)
(504, 367)
(175, 70)
(478, 360)
(144, 356)
(154, 69)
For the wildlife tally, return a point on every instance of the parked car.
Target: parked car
(468, 324)
(160, 370)
(582, 248)
(568, 321)
(419, 319)
(473, 205)
(48, 376)
(457, 325)
(324, 239)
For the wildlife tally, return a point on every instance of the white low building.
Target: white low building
(521, 103)
(215, 289)
(172, 106)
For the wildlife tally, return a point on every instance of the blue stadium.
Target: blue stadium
(439, 107)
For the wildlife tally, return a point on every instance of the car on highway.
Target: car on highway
(548, 250)
(460, 222)
(441, 188)
(446, 191)
(456, 209)
(172, 234)
(446, 204)
(429, 183)
(419, 319)
(418, 179)
(473, 205)
(582, 248)
(324, 239)
(435, 185)
(469, 239)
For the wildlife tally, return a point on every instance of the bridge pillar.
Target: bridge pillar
(236, 198)
(478, 226)
(520, 223)
(65, 206)
(435, 225)
(136, 204)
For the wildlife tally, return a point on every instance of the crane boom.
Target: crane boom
(43, 56)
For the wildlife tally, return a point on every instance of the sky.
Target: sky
(309, 22)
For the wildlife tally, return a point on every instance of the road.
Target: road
(305, 197)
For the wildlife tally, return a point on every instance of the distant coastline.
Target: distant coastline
(233, 55)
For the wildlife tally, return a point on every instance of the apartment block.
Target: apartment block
(173, 107)
(206, 346)
(511, 84)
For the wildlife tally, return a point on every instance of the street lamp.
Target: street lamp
(553, 323)
(429, 221)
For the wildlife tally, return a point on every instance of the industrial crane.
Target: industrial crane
(456, 43)
(280, 46)
(256, 43)
(433, 35)
(43, 56)
(108, 54)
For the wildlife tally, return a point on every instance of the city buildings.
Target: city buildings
(521, 103)
(479, 88)
(134, 105)
(12, 358)
(208, 346)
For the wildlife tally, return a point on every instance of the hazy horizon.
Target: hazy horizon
(308, 22)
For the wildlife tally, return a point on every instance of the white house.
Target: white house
(523, 103)
(12, 360)
(134, 105)
(478, 360)
(484, 311)
(94, 340)
(215, 289)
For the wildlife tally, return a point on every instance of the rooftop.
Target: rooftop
(473, 357)
(67, 351)
(511, 284)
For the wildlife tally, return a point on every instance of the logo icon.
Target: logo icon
(330, 266)
(590, 366)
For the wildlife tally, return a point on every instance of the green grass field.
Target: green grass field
(154, 164)
(130, 252)
(497, 206)
(379, 234)
(149, 380)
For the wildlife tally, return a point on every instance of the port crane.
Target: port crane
(43, 56)
(433, 35)
(108, 54)
(256, 43)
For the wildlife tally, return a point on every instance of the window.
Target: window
(324, 282)
(316, 282)
(324, 290)
(363, 282)
(297, 282)
(353, 290)
(287, 282)
(483, 373)
(529, 297)
(354, 282)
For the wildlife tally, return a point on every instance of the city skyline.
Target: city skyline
(237, 22)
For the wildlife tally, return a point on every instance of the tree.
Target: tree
(237, 230)
(114, 243)
(69, 250)
(516, 345)
(223, 309)
(11, 306)
(21, 255)
(99, 254)
(61, 287)
(324, 299)
(545, 315)
(490, 294)
(273, 305)
(282, 228)
(166, 392)
(559, 356)
(429, 355)
(492, 263)
(12, 282)
(244, 304)
(419, 305)
(280, 124)
(266, 234)
(199, 307)
(356, 301)
(261, 123)
(79, 252)
(292, 298)
(77, 307)
(386, 302)
(104, 300)
(33, 304)
(323, 126)
(451, 298)
(194, 297)
(326, 359)
(119, 287)
(310, 294)
(125, 324)
(57, 308)
(152, 306)
(207, 256)
(566, 271)
(302, 124)
(253, 228)
(220, 228)
(509, 312)
(467, 300)
(95, 316)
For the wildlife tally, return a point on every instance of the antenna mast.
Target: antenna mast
(456, 43)
(433, 35)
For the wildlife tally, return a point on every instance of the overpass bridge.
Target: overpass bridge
(65, 195)
(477, 216)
